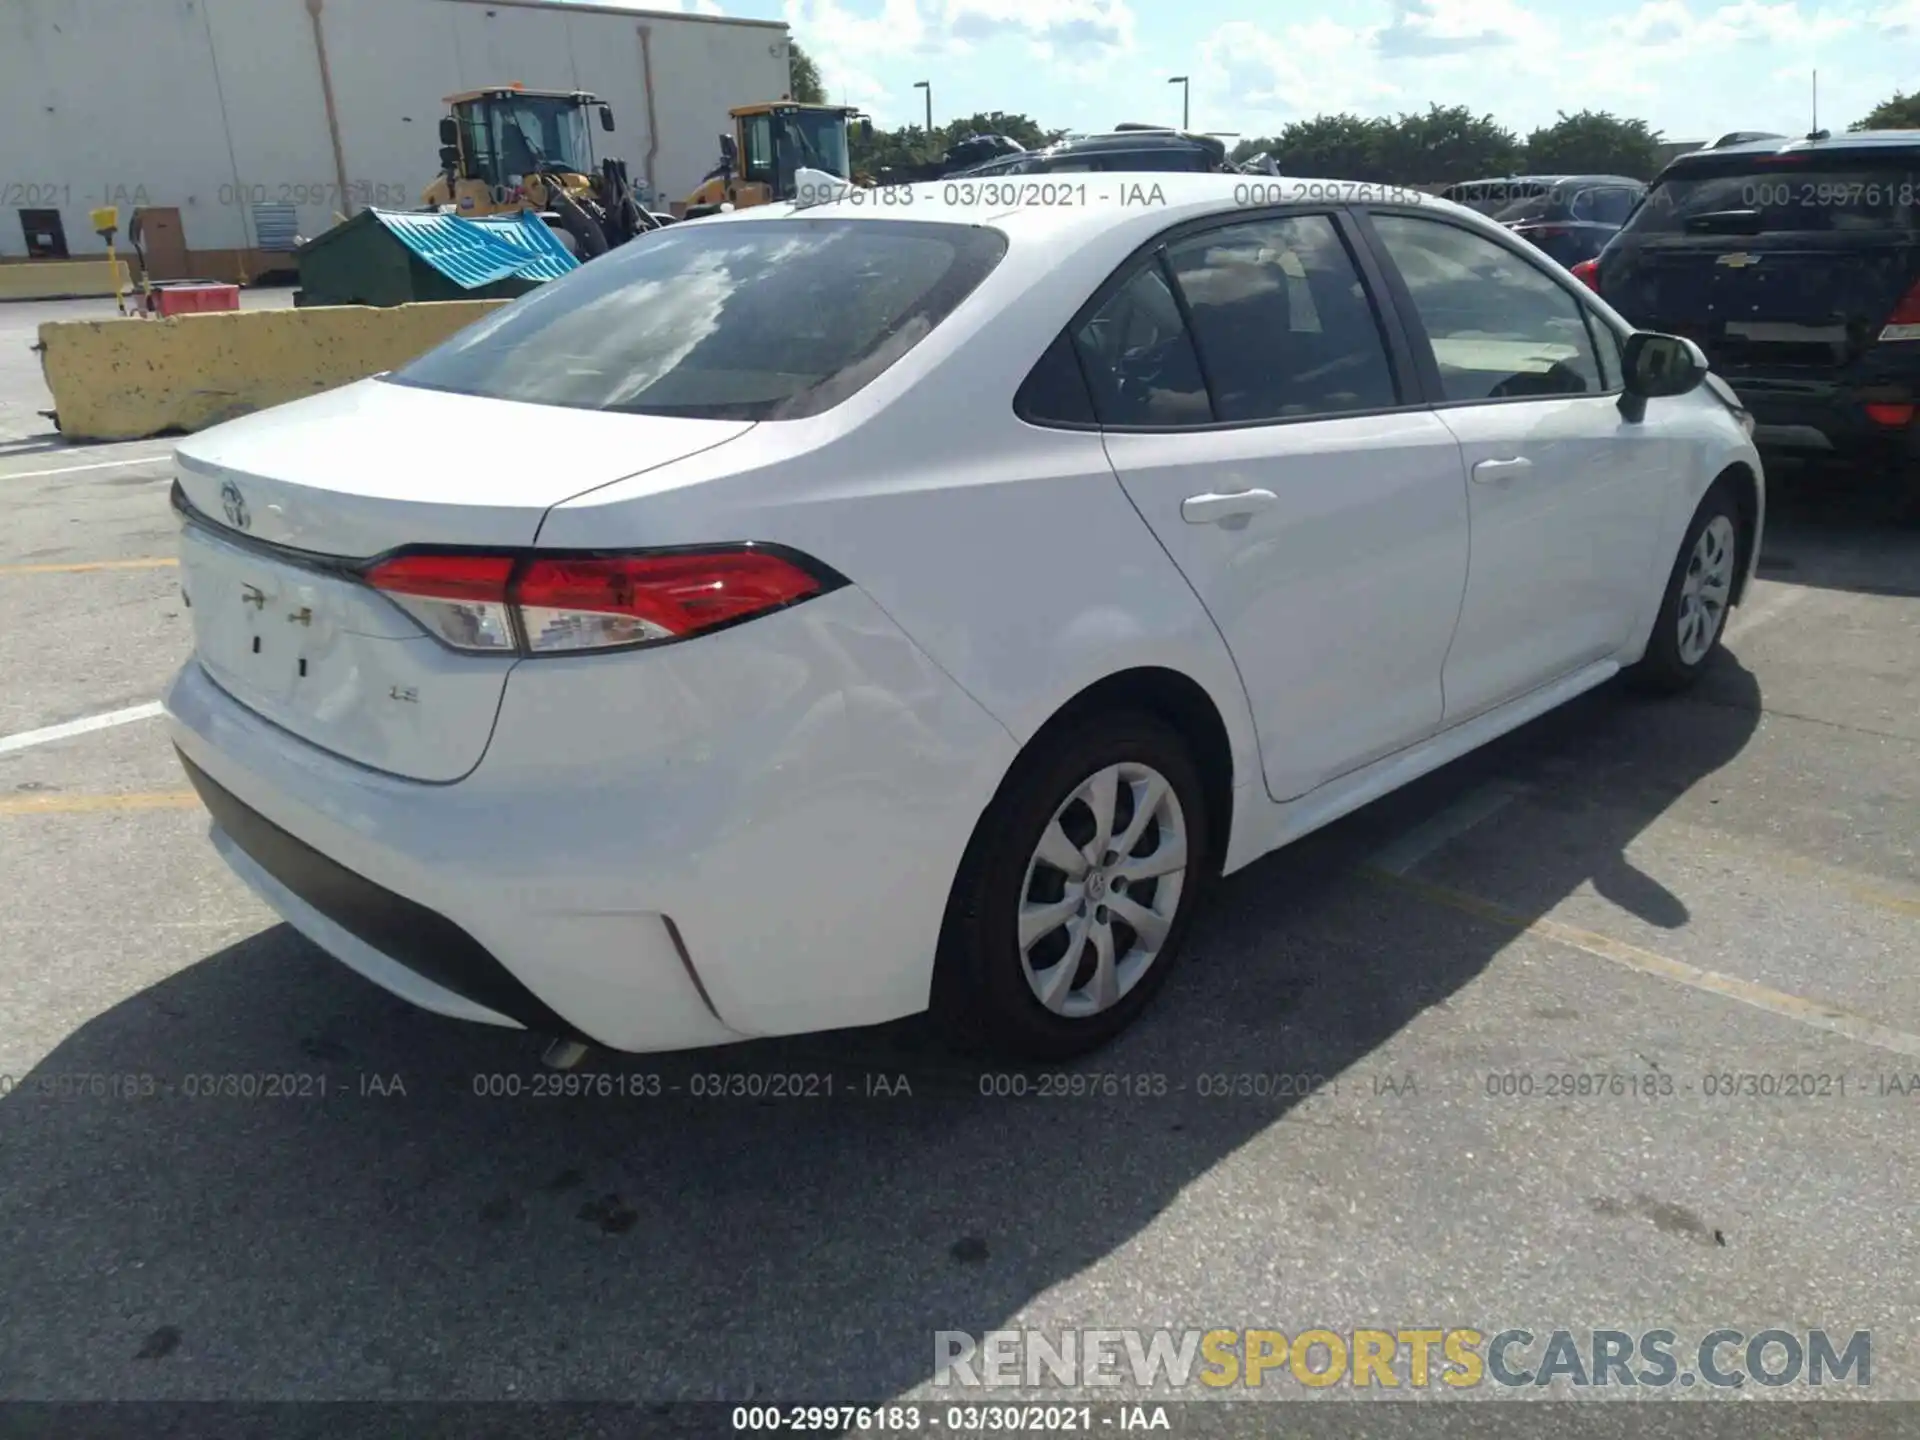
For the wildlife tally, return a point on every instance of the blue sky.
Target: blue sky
(1690, 69)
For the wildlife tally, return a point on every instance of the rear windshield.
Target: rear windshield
(724, 320)
(1783, 197)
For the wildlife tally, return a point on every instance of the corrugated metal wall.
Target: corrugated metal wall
(216, 106)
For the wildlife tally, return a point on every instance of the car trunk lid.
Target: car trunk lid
(283, 509)
(1765, 302)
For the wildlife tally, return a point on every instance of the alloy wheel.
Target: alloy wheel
(1102, 889)
(1705, 588)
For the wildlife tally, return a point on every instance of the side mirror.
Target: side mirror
(449, 131)
(606, 117)
(1657, 365)
(449, 158)
(866, 132)
(729, 152)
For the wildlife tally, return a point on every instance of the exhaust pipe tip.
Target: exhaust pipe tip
(563, 1054)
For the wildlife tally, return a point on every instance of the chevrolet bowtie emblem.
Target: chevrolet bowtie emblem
(1739, 260)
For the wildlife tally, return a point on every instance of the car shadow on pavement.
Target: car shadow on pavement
(408, 1234)
(1840, 530)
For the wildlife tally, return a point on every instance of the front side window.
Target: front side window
(1282, 321)
(1500, 327)
(761, 320)
(1138, 357)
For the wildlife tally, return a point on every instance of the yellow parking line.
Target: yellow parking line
(1815, 1013)
(97, 804)
(1868, 889)
(158, 563)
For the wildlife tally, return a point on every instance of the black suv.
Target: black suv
(1128, 149)
(1571, 217)
(1795, 264)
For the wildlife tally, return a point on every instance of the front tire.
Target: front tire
(1693, 612)
(1073, 900)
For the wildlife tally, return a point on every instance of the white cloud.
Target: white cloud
(1319, 67)
(846, 45)
(1425, 29)
(1063, 29)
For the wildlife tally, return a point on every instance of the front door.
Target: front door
(1319, 512)
(1563, 486)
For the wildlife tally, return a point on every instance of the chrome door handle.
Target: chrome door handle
(1487, 470)
(1212, 509)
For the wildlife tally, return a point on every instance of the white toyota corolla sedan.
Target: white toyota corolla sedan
(813, 616)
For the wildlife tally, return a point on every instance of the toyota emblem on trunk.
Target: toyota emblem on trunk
(235, 504)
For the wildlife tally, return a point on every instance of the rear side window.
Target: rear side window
(1282, 321)
(1138, 357)
(752, 320)
(1055, 392)
(1784, 197)
(1610, 205)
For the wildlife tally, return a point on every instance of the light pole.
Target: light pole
(927, 85)
(1181, 81)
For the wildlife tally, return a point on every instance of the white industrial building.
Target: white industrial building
(260, 119)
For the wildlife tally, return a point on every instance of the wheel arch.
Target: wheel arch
(1742, 480)
(1179, 700)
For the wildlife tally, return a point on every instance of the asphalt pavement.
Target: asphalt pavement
(1715, 898)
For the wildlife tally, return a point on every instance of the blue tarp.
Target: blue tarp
(473, 253)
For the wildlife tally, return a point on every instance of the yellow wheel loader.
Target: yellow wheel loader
(507, 149)
(771, 142)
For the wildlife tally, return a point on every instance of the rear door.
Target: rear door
(1775, 263)
(1564, 493)
(1255, 412)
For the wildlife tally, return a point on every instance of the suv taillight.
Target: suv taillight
(546, 603)
(1904, 323)
(1587, 272)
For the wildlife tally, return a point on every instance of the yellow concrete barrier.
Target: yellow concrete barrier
(61, 279)
(129, 379)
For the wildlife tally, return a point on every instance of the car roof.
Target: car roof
(1848, 142)
(1547, 180)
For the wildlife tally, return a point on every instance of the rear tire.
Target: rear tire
(1031, 868)
(1693, 612)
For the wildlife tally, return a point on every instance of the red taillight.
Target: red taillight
(1893, 415)
(444, 577)
(1587, 272)
(1904, 322)
(596, 602)
(462, 599)
(557, 603)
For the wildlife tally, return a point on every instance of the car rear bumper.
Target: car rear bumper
(1825, 419)
(749, 834)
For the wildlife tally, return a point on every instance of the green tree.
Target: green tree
(1593, 142)
(1902, 112)
(1447, 144)
(803, 76)
(1328, 147)
(1020, 128)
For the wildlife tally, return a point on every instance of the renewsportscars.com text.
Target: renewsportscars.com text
(1405, 1358)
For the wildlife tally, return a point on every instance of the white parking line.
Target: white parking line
(76, 469)
(1446, 826)
(29, 738)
